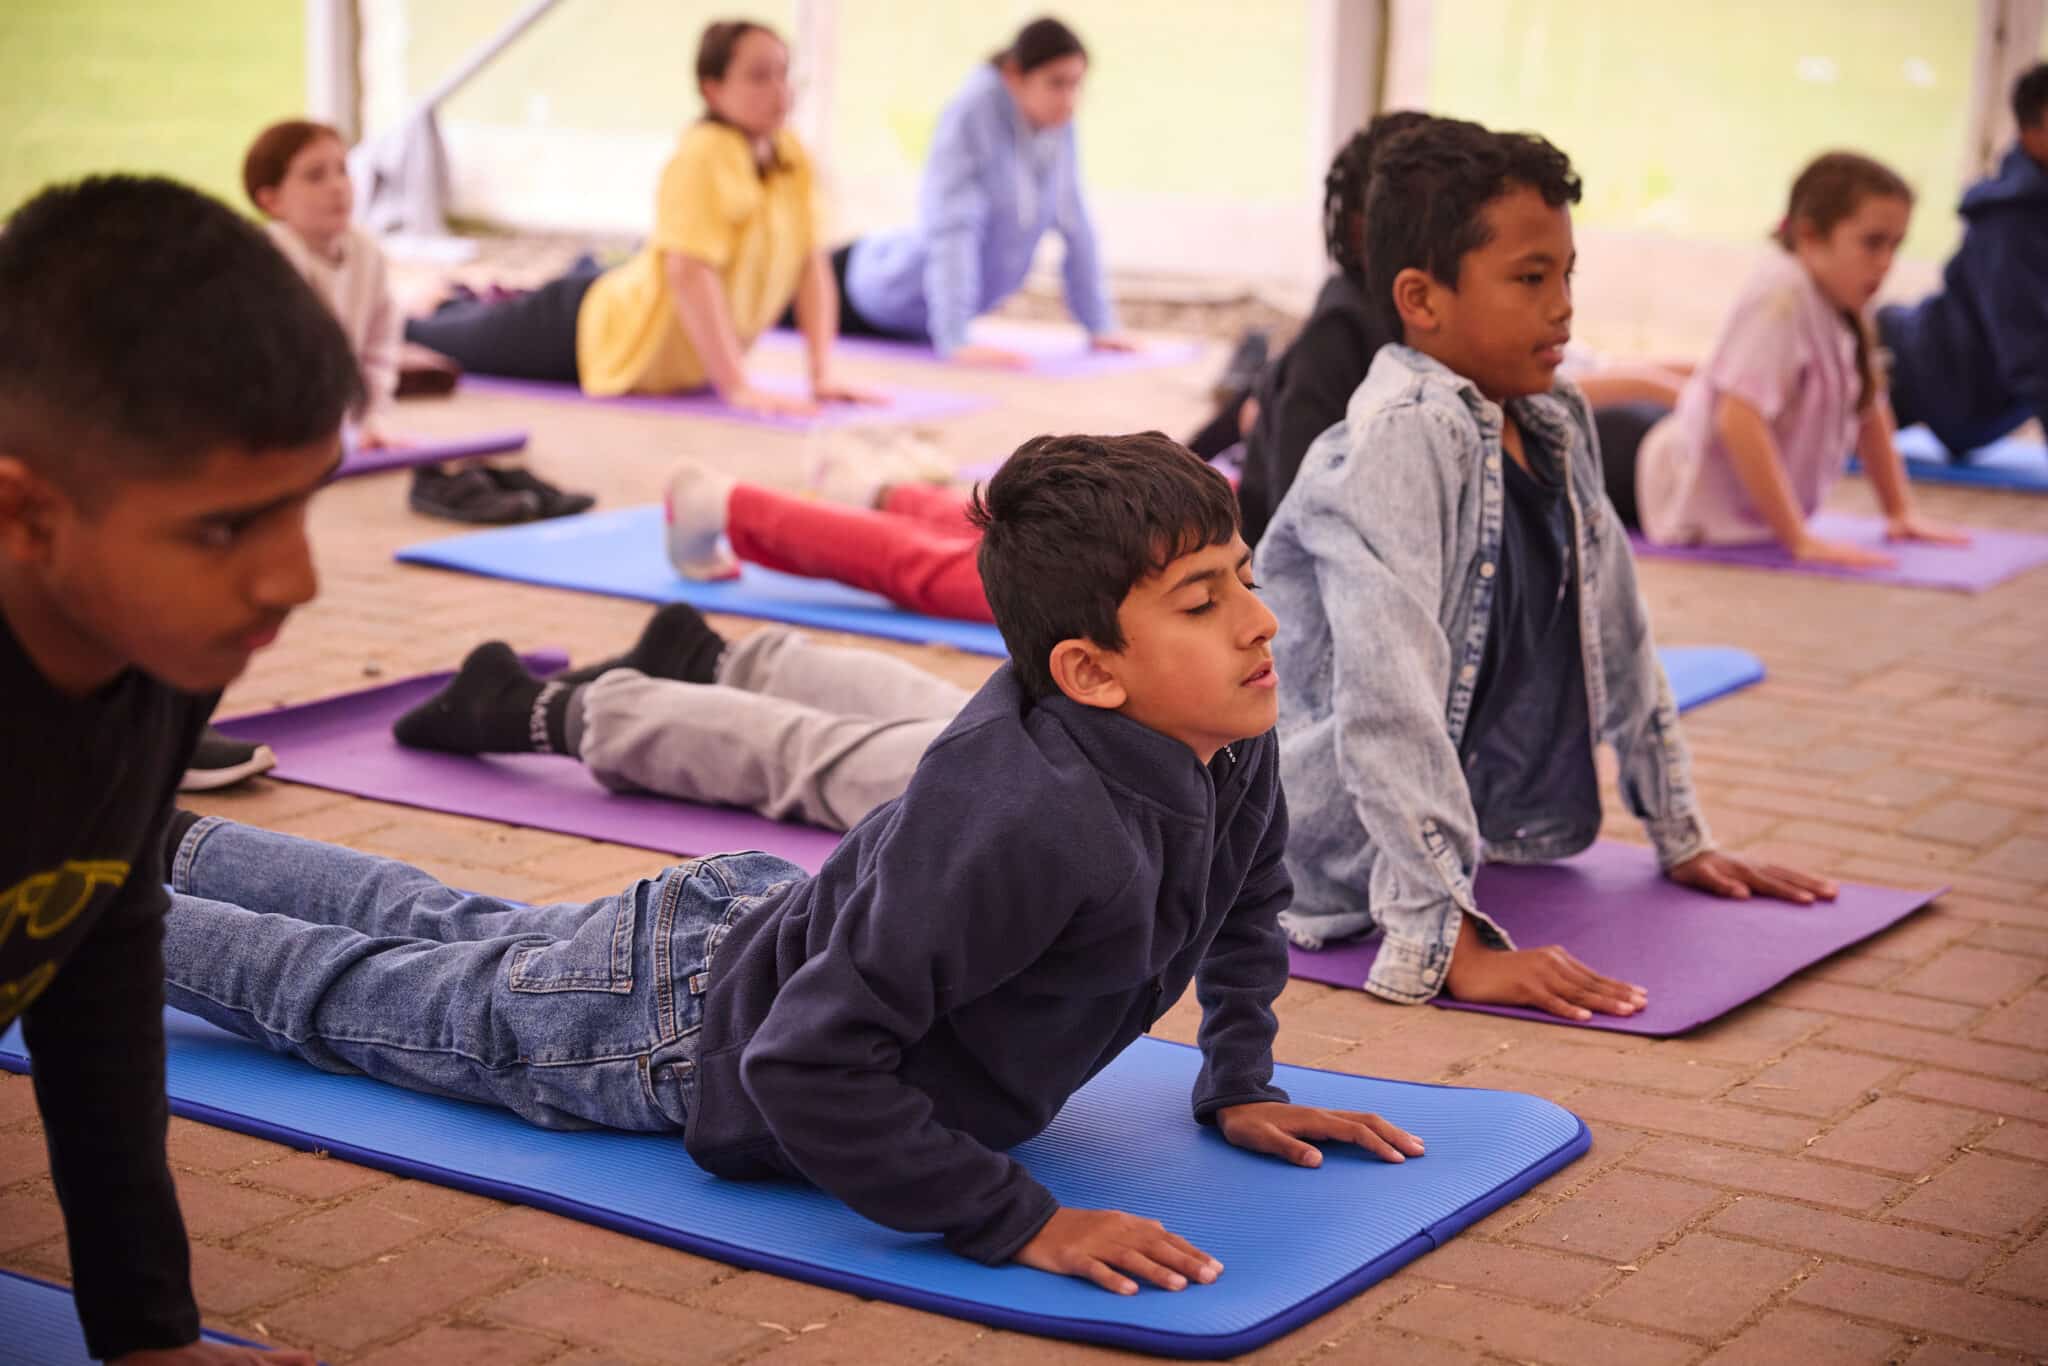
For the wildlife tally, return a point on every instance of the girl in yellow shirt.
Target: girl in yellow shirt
(735, 238)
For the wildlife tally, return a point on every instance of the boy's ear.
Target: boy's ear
(1083, 671)
(266, 200)
(28, 504)
(1414, 292)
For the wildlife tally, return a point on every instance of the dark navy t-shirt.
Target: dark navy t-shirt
(1527, 746)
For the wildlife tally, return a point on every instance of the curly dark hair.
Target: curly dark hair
(1430, 188)
(1071, 524)
(1345, 186)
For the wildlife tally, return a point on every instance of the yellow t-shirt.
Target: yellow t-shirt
(714, 205)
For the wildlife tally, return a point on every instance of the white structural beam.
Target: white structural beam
(332, 91)
(2008, 42)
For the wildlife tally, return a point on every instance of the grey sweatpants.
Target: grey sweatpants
(792, 728)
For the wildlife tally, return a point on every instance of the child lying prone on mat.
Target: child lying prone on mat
(1463, 624)
(1100, 826)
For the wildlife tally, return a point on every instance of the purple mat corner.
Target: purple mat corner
(1055, 352)
(355, 461)
(344, 744)
(1990, 559)
(904, 405)
(1698, 956)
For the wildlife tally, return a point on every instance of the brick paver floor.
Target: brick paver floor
(1852, 1169)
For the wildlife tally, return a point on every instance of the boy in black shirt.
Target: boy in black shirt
(171, 395)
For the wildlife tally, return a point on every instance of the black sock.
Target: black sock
(493, 706)
(676, 643)
(181, 824)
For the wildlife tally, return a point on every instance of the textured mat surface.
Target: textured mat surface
(1054, 352)
(356, 461)
(904, 405)
(1698, 956)
(1295, 1242)
(39, 1325)
(1990, 559)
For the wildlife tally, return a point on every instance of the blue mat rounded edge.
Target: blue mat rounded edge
(1114, 1334)
(43, 1321)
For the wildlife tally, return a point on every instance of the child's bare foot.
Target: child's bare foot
(845, 468)
(696, 509)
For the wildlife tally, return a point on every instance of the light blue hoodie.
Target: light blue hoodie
(992, 187)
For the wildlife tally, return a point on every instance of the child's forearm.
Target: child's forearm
(817, 313)
(1753, 451)
(699, 301)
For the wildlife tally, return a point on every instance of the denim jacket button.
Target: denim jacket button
(1486, 570)
(1468, 673)
(1493, 463)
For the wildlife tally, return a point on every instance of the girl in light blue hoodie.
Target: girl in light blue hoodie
(1003, 171)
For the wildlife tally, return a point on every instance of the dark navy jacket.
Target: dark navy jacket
(1972, 361)
(1050, 882)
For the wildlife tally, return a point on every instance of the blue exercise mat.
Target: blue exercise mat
(620, 554)
(41, 1325)
(2008, 464)
(1295, 1242)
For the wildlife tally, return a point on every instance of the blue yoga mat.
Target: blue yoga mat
(2008, 464)
(620, 555)
(42, 1325)
(1295, 1242)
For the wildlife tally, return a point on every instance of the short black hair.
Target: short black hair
(144, 325)
(1071, 524)
(1430, 189)
(1344, 189)
(2030, 96)
(1043, 40)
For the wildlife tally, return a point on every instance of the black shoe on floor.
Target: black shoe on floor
(554, 502)
(470, 495)
(220, 761)
(1241, 371)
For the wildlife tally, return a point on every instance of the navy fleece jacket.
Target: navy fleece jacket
(1048, 884)
(1972, 361)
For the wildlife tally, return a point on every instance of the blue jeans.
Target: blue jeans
(571, 1016)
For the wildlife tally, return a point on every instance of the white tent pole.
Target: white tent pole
(2008, 41)
(483, 55)
(332, 92)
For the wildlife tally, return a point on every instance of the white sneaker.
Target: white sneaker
(854, 469)
(695, 507)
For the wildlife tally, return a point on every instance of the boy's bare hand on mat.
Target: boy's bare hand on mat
(215, 1354)
(1113, 341)
(1547, 979)
(1100, 1245)
(832, 391)
(1738, 881)
(1277, 1128)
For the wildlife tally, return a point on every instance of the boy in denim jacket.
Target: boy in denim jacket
(1463, 622)
(1099, 827)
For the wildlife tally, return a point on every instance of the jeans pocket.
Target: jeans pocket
(670, 1084)
(597, 957)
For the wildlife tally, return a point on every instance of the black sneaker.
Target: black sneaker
(554, 502)
(1241, 371)
(222, 761)
(470, 495)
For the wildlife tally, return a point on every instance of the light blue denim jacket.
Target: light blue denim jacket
(1381, 562)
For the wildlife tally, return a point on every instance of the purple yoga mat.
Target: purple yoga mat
(1990, 559)
(1055, 352)
(355, 461)
(344, 744)
(1697, 955)
(904, 405)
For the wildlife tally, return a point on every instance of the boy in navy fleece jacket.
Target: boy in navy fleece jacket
(1100, 826)
(1972, 361)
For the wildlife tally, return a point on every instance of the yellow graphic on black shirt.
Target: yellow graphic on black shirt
(42, 906)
